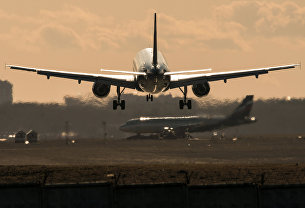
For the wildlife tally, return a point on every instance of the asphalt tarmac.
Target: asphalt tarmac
(258, 160)
(247, 150)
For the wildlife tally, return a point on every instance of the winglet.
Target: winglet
(155, 49)
(22, 68)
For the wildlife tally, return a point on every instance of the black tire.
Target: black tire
(189, 104)
(181, 104)
(151, 98)
(147, 98)
(115, 104)
(123, 105)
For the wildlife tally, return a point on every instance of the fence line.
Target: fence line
(151, 195)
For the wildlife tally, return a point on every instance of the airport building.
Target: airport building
(6, 92)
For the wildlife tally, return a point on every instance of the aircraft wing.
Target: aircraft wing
(190, 79)
(127, 81)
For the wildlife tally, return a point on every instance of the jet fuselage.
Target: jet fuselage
(154, 81)
(181, 125)
(157, 124)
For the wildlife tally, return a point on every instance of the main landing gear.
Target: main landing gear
(119, 102)
(184, 102)
(149, 97)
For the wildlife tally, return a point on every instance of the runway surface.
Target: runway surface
(247, 150)
(273, 160)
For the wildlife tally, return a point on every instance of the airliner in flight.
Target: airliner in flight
(180, 127)
(151, 75)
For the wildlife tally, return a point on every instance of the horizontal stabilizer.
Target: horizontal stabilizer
(123, 72)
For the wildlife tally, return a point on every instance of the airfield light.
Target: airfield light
(288, 98)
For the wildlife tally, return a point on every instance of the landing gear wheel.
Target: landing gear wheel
(123, 105)
(115, 104)
(181, 104)
(149, 97)
(184, 102)
(118, 101)
(189, 104)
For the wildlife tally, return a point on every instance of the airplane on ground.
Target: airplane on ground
(151, 75)
(179, 127)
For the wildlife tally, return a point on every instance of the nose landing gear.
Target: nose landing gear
(119, 102)
(184, 102)
(149, 97)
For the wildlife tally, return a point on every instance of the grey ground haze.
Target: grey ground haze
(86, 117)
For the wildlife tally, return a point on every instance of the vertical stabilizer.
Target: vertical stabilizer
(155, 49)
(244, 109)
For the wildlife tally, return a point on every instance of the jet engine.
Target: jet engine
(100, 89)
(201, 89)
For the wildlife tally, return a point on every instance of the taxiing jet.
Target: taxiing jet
(179, 127)
(151, 75)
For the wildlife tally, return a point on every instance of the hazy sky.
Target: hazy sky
(85, 36)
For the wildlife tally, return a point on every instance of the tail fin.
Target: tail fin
(244, 109)
(155, 49)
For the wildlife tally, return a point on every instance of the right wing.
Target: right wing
(127, 81)
(190, 79)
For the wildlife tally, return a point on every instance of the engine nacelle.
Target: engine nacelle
(201, 89)
(100, 89)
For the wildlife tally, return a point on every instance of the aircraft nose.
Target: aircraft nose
(123, 127)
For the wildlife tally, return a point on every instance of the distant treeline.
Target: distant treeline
(86, 117)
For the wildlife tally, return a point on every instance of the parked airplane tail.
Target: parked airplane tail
(244, 109)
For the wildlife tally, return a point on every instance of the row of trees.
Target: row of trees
(90, 117)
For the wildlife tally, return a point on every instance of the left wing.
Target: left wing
(185, 80)
(127, 81)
